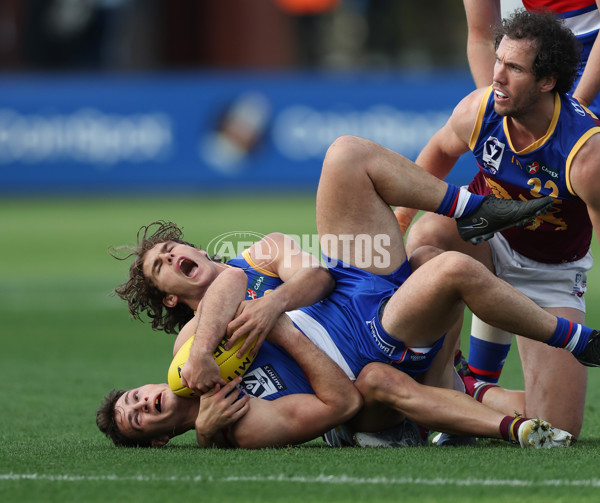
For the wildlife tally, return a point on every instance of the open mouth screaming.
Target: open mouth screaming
(187, 267)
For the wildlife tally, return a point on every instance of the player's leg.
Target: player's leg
(374, 415)
(431, 300)
(489, 345)
(378, 425)
(360, 180)
(507, 401)
(488, 349)
(451, 411)
(441, 373)
(435, 230)
(384, 387)
(555, 382)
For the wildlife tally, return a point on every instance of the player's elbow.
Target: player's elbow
(355, 403)
(349, 404)
(235, 277)
(325, 279)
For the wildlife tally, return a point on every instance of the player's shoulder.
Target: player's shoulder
(583, 172)
(587, 154)
(467, 111)
(471, 103)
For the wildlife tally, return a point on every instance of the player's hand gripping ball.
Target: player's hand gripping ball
(229, 364)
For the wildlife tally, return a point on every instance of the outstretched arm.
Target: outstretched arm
(482, 16)
(294, 419)
(589, 85)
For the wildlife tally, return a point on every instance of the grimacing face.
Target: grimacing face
(150, 411)
(181, 271)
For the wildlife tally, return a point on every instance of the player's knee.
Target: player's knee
(370, 378)
(381, 382)
(456, 266)
(423, 254)
(431, 230)
(345, 155)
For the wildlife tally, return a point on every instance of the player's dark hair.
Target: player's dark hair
(139, 292)
(106, 421)
(558, 51)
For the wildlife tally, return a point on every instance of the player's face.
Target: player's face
(150, 411)
(516, 90)
(179, 269)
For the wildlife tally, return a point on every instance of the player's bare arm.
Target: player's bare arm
(297, 418)
(186, 332)
(217, 309)
(482, 16)
(589, 84)
(585, 179)
(305, 281)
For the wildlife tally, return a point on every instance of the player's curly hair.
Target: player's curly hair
(107, 424)
(139, 292)
(558, 50)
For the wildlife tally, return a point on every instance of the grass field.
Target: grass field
(66, 341)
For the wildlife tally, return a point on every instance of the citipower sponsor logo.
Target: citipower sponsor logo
(361, 250)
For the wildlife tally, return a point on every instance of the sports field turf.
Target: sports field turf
(66, 342)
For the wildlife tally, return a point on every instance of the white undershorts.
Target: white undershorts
(548, 285)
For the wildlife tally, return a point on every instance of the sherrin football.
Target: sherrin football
(229, 364)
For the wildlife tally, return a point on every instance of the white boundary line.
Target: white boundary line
(319, 479)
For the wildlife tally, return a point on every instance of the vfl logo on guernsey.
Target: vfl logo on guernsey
(263, 381)
(493, 149)
(385, 346)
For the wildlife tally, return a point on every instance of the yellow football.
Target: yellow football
(229, 364)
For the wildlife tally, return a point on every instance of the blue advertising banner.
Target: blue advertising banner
(208, 131)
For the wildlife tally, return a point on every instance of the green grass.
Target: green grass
(66, 341)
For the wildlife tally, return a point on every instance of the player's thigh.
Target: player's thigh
(441, 373)
(355, 224)
(424, 308)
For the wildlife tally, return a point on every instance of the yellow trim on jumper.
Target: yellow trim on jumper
(584, 137)
(479, 120)
(538, 143)
(246, 255)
